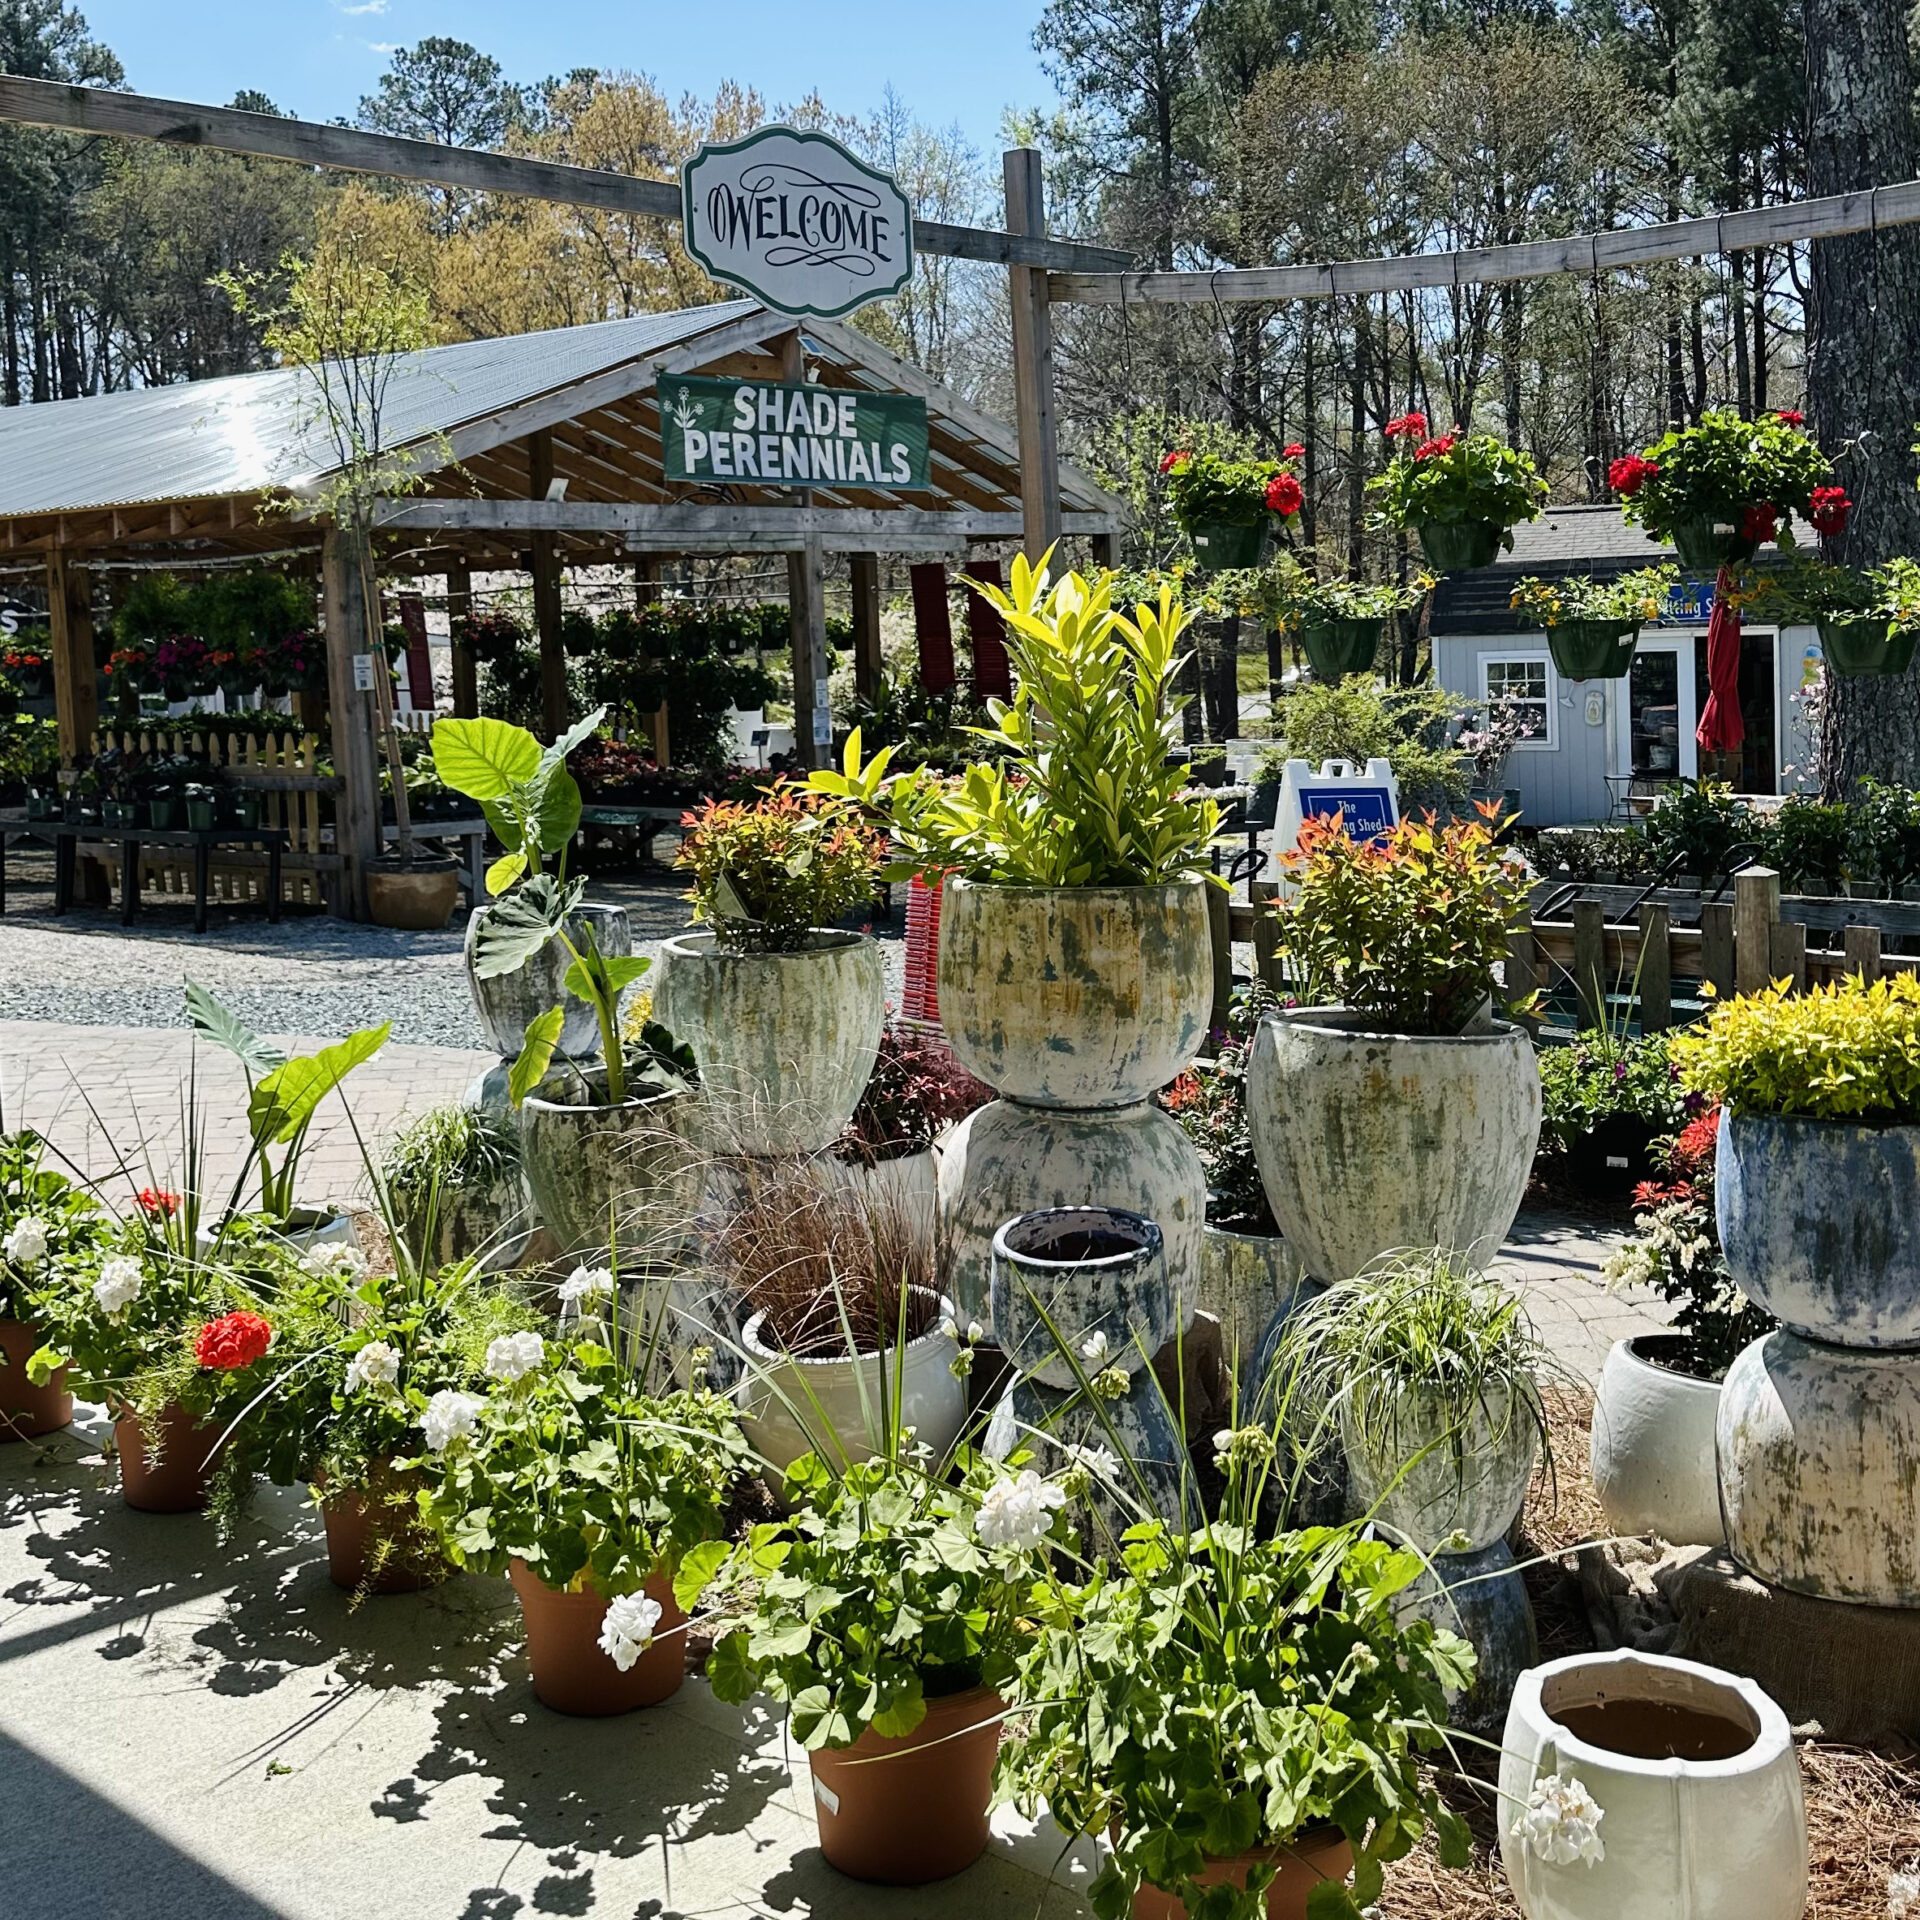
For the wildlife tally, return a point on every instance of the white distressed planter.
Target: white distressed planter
(1004, 1160)
(491, 1225)
(785, 1041)
(1652, 1447)
(1075, 996)
(909, 1185)
(1684, 1839)
(1370, 1143)
(790, 1405)
(1417, 1486)
(508, 1001)
(1245, 1280)
(1819, 1451)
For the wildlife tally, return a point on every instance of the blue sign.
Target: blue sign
(1366, 812)
(1688, 602)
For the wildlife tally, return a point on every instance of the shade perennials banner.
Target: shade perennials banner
(792, 436)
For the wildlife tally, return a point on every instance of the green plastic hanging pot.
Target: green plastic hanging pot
(1454, 545)
(1700, 545)
(1336, 648)
(1593, 649)
(1218, 544)
(1863, 645)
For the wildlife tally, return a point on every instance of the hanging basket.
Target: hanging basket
(1455, 545)
(1704, 547)
(1218, 544)
(1336, 648)
(1593, 649)
(1864, 646)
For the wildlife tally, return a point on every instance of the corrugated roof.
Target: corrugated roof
(211, 438)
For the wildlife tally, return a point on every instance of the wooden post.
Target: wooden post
(1716, 947)
(1589, 960)
(1033, 358)
(75, 679)
(546, 592)
(1266, 930)
(1863, 954)
(807, 609)
(1522, 974)
(869, 668)
(1756, 906)
(356, 817)
(1787, 953)
(646, 593)
(1656, 968)
(466, 674)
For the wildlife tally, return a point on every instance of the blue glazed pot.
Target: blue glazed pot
(1820, 1220)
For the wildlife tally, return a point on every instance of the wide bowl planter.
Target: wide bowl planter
(1866, 646)
(1372, 1142)
(1217, 544)
(610, 1178)
(166, 1465)
(912, 1808)
(376, 1544)
(1707, 546)
(1247, 1280)
(1321, 1853)
(1336, 648)
(507, 1002)
(1819, 1460)
(1697, 1782)
(1820, 1223)
(1593, 649)
(26, 1410)
(1094, 1273)
(1428, 1479)
(1652, 1445)
(1075, 996)
(416, 897)
(571, 1672)
(1612, 1157)
(785, 1041)
(1456, 545)
(837, 1405)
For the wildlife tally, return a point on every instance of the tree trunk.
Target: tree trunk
(1864, 377)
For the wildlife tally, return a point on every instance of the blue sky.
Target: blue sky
(951, 63)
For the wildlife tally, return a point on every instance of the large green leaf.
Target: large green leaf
(222, 1026)
(536, 1053)
(483, 758)
(576, 735)
(618, 971)
(559, 812)
(514, 930)
(283, 1104)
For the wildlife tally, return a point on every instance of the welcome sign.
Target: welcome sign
(798, 220)
(791, 436)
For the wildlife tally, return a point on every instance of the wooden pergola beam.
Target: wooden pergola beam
(710, 528)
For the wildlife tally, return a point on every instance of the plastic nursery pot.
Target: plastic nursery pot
(911, 1809)
(248, 808)
(571, 1673)
(1593, 649)
(1864, 646)
(1216, 544)
(160, 814)
(200, 815)
(165, 1466)
(1336, 648)
(1455, 545)
(1612, 1157)
(1321, 1853)
(27, 1410)
(374, 1545)
(1702, 544)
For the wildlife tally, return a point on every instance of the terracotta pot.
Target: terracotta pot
(570, 1673)
(27, 1410)
(911, 1809)
(355, 1528)
(1320, 1854)
(177, 1481)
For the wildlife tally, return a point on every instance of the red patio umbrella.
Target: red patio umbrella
(1721, 728)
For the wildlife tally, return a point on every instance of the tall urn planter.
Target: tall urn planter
(506, 1002)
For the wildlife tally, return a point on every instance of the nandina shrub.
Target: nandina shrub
(916, 1091)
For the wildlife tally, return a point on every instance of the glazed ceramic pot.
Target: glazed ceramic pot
(375, 1543)
(1319, 1854)
(26, 1410)
(1371, 1142)
(507, 1002)
(1652, 1448)
(1075, 997)
(1481, 1596)
(1093, 1273)
(911, 1809)
(571, 1672)
(487, 1225)
(1246, 1281)
(165, 1465)
(1698, 1785)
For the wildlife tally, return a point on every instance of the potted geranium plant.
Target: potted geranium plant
(1391, 1109)
(1719, 490)
(1869, 620)
(888, 1612)
(783, 1010)
(1340, 622)
(48, 1227)
(1593, 626)
(594, 1498)
(1462, 492)
(1227, 507)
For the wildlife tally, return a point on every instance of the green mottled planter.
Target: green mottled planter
(508, 1001)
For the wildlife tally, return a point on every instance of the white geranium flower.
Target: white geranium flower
(583, 1284)
(515, 1355)
(1001, 1432)
(118, 1285)
(1017, 1513)
(335, 1260)
(1223, 1443)
(1101, 1462)
(975, 1333)
(27, 1241)
(1561, 1822)
(1093, 1349)
(627, 1631)
(376, 1365)
(450, 1416)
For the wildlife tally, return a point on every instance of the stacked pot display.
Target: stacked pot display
(1818, 1438)
(1075, 1005)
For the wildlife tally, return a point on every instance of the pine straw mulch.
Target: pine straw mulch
(1863, 1808)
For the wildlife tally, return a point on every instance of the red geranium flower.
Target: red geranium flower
(234, 1340)
(1829, 510)
(1284, 495)
(1627, 475)
(1434, 448)
(1790, 417)
(1757, 522)
(158, 1200)
(1407, 426)
(1177, 461)
(1292, 450)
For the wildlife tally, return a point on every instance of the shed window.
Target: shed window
(1520, 681)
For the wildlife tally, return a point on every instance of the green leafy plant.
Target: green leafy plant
(1206, 489)
(1699, 823)
(1408, 932)
(446, 1152)
(1838, 1052)
(531, 801)
(49, 1229)
(1356, 720)
(1210, 1102)
(1602, 1075)
(1808, 841)
(1743, 475)
(1297, 598)
(1883, 836)
(1637, 596)
(1456, 479)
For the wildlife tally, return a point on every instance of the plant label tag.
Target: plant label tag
(823, 729)
(363, 673)
(825, 1795)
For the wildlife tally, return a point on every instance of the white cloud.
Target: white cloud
(365, 6)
